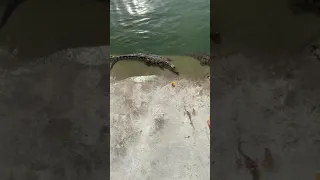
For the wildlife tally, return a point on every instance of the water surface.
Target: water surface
(169, 27)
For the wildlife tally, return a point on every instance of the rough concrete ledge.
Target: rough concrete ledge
(52, 121)
(268, 104)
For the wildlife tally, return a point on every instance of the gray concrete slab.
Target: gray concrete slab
(152, 136)
(267, 105)
(52, 120)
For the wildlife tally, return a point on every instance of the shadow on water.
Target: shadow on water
(37, 28)
(268, 27)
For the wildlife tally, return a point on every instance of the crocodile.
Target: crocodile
(148, 59)
(203, 58)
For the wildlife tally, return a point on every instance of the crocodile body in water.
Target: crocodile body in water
(203, 58)
(148, 59)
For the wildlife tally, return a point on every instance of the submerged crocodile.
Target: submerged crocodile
(148, 59)
(203, 58)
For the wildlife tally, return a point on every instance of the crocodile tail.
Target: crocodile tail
(112, 64)
(113, 60)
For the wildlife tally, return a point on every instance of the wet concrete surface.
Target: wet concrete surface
(52, 120)
(266, 92)
(266, 105)
(53, 110)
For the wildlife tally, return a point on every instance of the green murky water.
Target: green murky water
(166, 27)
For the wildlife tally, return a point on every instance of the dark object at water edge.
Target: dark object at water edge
(148, 59)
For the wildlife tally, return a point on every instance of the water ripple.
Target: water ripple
(159, 26)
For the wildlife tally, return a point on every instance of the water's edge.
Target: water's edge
(187, 67)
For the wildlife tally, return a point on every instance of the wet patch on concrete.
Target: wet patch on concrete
(159, 124)
(52, 122)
